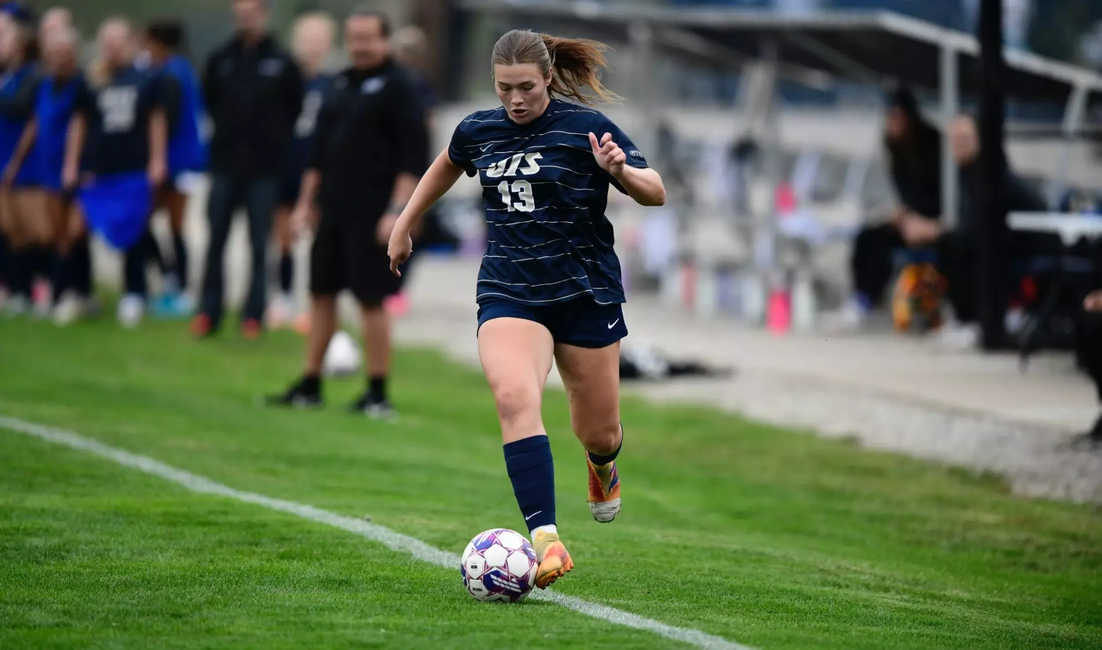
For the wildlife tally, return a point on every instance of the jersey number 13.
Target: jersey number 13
(523, 190)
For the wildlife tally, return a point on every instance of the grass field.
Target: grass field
(771, 538)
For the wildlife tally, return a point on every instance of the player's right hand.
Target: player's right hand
(399, 249)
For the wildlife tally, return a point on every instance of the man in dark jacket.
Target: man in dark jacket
(956, 248)
(254, 95)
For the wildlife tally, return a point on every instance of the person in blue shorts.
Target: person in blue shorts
(26, 230)
(183, 105)
(42, 151)
(550, 284)
(117, 155)
(312, 44)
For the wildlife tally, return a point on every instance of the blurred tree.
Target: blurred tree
(1057, 31)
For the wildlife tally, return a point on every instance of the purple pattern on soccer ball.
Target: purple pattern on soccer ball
(499, 565)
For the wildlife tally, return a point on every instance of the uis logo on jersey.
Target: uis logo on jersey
(516, 196)
(635, 153)
(510, 166)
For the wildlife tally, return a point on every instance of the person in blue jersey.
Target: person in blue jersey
(24, 225)
(550, 284)
(312, 44)
(117, 155)
(183, 103)
(43, 145)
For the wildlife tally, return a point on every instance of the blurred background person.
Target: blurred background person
(184, 109)
(368, 157)
(117, 155)
(312, 43)
(55, 18)
(956, 247)
(21, 209)
(1090, 353)
(254, 96)
(914, 150)
(45, 141)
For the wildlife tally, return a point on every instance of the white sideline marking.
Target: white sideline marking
(393, 540)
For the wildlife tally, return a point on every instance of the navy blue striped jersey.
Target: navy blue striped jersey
(545, 199)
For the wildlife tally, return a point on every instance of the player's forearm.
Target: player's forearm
(30, 132)
(308, 193)
(158, 137)
(74, 142)
(643, 185)
(440, 177)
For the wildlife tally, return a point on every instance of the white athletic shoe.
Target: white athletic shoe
(958, 337)
(131, 310)
(69, 309)
(850, 318)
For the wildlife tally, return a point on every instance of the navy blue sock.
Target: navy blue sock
(5, 256)
(46, 259)
(532, 472)
(605, 460)
(179, 248)
(81, 277)
(20, 265)
(286, 272)
(61, 279)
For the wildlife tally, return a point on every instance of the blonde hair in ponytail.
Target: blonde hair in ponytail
(99, 72)
(577, 63)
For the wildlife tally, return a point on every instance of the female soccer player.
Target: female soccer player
(121, 120)
(183, 105)
(43, 144)
(312, 43)
(549, 286)
(27, 232)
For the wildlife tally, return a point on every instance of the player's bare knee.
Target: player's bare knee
(600, 438)
(517, 405)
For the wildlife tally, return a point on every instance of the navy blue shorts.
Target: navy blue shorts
(582, 322)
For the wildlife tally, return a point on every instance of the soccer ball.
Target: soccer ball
(499, 564)
(343, 357)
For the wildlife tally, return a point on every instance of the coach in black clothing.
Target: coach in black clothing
(254, 95)
(369, 153)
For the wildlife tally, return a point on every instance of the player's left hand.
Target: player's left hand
(609, 155)
(385, 227)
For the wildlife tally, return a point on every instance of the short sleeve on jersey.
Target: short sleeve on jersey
(635, 158)
(459, 151)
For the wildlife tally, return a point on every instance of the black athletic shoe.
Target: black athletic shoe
(374, 407)
(300, 395)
